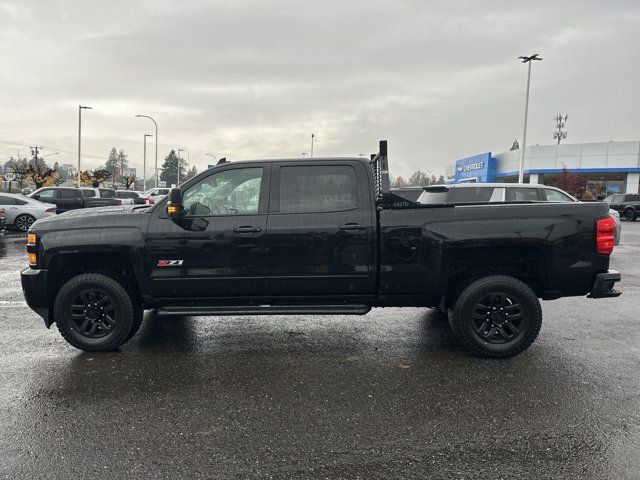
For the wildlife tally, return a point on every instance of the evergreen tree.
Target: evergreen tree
(170, 169)
(112, 162)
(193, 171)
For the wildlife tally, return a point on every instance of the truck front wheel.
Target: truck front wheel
(94, 312)
(496, 317)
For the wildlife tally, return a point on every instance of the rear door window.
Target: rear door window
(522, 194)
(551, 195)
(88, 193)
(68, 194)
(107, 193)
(317, 188)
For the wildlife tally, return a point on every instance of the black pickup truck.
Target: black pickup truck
(71, 198)
(315, 236)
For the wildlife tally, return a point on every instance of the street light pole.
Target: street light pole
(312, 135)
(80, 108)
(526, 112)
(156, 151)
(144, 163)
(179, 150)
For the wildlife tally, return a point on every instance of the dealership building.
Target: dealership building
(609, 167)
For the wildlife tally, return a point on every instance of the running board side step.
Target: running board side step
(267, 310)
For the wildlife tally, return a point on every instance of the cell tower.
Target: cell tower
(560, 133)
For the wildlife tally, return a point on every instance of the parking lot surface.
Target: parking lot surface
(386, 395)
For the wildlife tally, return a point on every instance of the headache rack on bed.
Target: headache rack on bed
(380, 167)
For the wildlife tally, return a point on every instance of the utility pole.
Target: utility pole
(179, 150)
(34, 153)
(80, 108)
(144, 163)
(312, 135)
(528, 60)
(560, 133)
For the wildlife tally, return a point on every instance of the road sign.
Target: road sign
(162, 183)
(9, 176)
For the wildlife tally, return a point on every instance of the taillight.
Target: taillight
(605, 234)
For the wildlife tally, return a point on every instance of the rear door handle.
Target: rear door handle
(353, 226)
(247, 229)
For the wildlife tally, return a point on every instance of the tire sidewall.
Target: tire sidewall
(123, 312)
(463, 321)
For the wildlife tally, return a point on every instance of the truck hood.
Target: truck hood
(103, 217)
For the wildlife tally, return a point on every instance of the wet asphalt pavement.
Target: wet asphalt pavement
(387, 395)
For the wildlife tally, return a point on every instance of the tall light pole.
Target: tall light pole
(526, 112)
(80, 108)
(156, 151)
(144, 163)
(179, 150)
(312, 136)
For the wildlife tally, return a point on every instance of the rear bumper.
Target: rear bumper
(603, 286)
(34, 287)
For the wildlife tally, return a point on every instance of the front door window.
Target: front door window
(231, 192)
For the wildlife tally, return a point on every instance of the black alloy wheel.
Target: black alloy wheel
(93, 313)
(496, 317)
(23, 222)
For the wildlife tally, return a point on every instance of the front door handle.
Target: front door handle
(353, 226)
(247, 229)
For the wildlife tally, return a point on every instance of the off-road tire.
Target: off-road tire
(122, 304)
(465, 317)
(630, 215)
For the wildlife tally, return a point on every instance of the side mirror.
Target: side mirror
(174, 204)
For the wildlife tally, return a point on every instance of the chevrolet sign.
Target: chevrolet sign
(471, 166)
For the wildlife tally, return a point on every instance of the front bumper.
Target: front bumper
(603, 286)
(34, 287)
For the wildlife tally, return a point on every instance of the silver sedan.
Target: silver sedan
(22, 211)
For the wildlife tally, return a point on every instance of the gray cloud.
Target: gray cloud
(247, 79)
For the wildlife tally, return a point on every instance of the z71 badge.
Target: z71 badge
(169, 263)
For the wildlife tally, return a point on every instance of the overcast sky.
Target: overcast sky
(254, 79)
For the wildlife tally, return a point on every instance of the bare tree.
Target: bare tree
(128, 180)
(94, 177)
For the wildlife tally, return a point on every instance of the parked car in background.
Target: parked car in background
(3, 219)
(22, 211)
(27, 190)
(502, 192)
(129, 197)
(158, 193)
(626, 204)
(72, 198)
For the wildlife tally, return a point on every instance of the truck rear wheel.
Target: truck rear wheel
(496, 317)
(94, 312)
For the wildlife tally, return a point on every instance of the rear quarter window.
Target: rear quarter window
(472, 195)
(107, 193)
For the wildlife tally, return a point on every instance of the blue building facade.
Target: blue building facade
(478, 168)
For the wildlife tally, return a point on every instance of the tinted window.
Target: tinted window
(632, 198)
(67, 194)
(411, 194)
(551, 195)
(125, 194)
(522, 194)
(46, 193)
(471, 195)
(317, 188)
(7, 200)
(107, 193)
(88, 193)
(232, 192)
